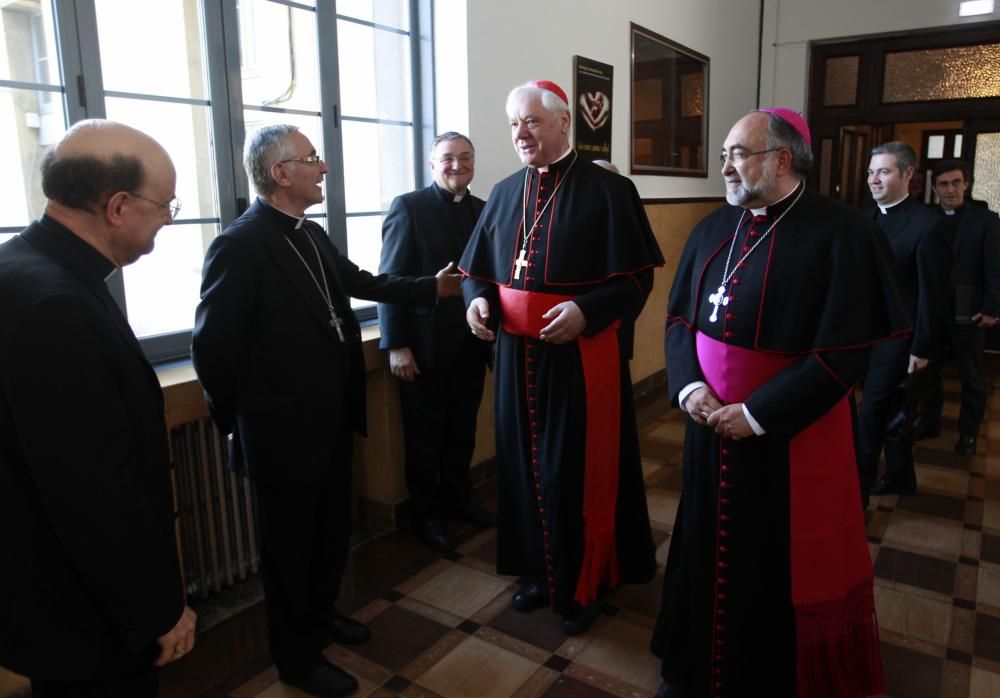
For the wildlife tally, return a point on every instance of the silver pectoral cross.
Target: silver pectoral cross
(335, 323)
(718, 298)
(520, 264)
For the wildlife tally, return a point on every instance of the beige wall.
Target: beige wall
(671, 224)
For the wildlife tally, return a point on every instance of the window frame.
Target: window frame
(79, 60)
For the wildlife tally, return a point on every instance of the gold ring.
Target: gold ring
(179, 652)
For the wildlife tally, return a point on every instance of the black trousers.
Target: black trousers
(967, 343)
(886, 371)
(305, 533)
(439, 428)
(141, 682)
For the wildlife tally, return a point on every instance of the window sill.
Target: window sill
(183, 398)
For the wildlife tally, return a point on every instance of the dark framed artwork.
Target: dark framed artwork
(593, 85)
(669, 120)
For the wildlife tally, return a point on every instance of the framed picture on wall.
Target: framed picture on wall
(669, 117)
(592, 86)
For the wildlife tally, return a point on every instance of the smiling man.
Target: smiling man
(777, 297)
(93, 594)
(559, 266)
(921, 263)
(278, 352)
(439, 364)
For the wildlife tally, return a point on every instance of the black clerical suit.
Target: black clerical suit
(91, 577)
(920, 260)
(975, 288)
(423, 231)
(277, 375)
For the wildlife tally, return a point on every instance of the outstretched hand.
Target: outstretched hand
(449, 283)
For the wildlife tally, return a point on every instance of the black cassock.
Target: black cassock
(591, 243)
(768, 577)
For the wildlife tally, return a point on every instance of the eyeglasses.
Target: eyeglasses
(174, 205)
(738, 156)
(306, 159)
(449, 159)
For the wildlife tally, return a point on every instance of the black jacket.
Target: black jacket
(420, 236)
(91, 576)
(975, 272)
(273, 368)
(922, 261)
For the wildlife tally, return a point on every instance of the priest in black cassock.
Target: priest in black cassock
(777, 299)
(558, 267)
(278, 352)
(921, 262)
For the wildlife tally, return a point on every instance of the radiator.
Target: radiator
(216, 524)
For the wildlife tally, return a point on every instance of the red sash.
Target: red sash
(837, 648)
(522, 315)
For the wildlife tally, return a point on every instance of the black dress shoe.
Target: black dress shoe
(966, 445)
(324, 680)
(345, 631)
(432, 533)
(528, 598)
(472, 514)
(923, 430)
(885, 486)
(581, 618)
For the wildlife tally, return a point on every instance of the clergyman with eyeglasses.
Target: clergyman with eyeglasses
(93, 599)
(439, 363)
(278, 352)
(777, 300)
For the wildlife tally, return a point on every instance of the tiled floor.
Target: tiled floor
(442, 626)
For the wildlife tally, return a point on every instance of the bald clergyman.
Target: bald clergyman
(91, 590)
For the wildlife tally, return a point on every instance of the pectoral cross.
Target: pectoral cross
(335, 323)
(718, 298)
(520, 263)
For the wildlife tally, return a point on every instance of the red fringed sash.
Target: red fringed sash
(522, 315)
(837, 649)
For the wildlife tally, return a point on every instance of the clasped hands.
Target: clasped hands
(567, 321)
(728, 421)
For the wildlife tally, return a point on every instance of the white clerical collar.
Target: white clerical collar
(545, 168)
(299, 220)
(763, 211)
(949, 211)
(884, 209)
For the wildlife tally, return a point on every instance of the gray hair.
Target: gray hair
(781, 134)
(267, 146)
(905, 157)
(449, 136)
(549, 99)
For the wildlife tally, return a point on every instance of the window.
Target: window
(269, 61)
(32, 111)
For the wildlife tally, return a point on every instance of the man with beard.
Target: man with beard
(974, 303)
(921, 260)
(768, 583)
(559, 266)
